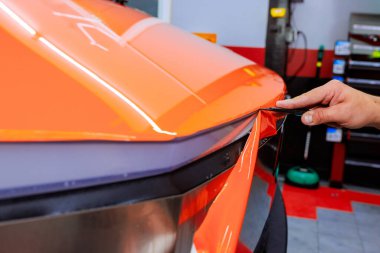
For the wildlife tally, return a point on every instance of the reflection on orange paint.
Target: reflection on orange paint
(191, 206)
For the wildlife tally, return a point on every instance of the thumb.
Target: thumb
(319, 116)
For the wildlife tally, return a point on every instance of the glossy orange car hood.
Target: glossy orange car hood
(94, 70)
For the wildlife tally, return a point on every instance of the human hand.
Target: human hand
(346, 106)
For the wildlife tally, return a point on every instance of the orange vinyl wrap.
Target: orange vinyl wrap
(220, 230)
(208, 193)
(94, 70)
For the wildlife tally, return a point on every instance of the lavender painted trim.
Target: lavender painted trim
(33, 168)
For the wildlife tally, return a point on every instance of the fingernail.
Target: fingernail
(308, 118)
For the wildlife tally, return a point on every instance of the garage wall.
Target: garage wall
(241, 25)
(325, 21)
(237, 23)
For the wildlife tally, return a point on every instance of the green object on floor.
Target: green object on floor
(303, 177)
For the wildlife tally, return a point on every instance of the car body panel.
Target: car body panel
(71, 50)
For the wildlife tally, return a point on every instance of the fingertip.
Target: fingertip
(283, 103)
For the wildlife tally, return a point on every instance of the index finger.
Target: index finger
(316, 96)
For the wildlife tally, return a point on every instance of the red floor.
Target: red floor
(303, 203)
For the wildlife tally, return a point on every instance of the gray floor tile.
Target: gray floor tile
(371, 219)
(337, 216)
(303, 236)
(365, 208)
(368, 220)
(338, 232)
(338, 229)
(299, 224)
(371, 246)
(337, 224)
(368, 224)
(331, 244)
(370, 233)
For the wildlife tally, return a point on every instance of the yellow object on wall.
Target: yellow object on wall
(278, 12)
(212, 37)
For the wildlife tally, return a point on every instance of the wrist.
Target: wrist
(376, 112)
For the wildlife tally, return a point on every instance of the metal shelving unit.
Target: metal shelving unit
(361, 147)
